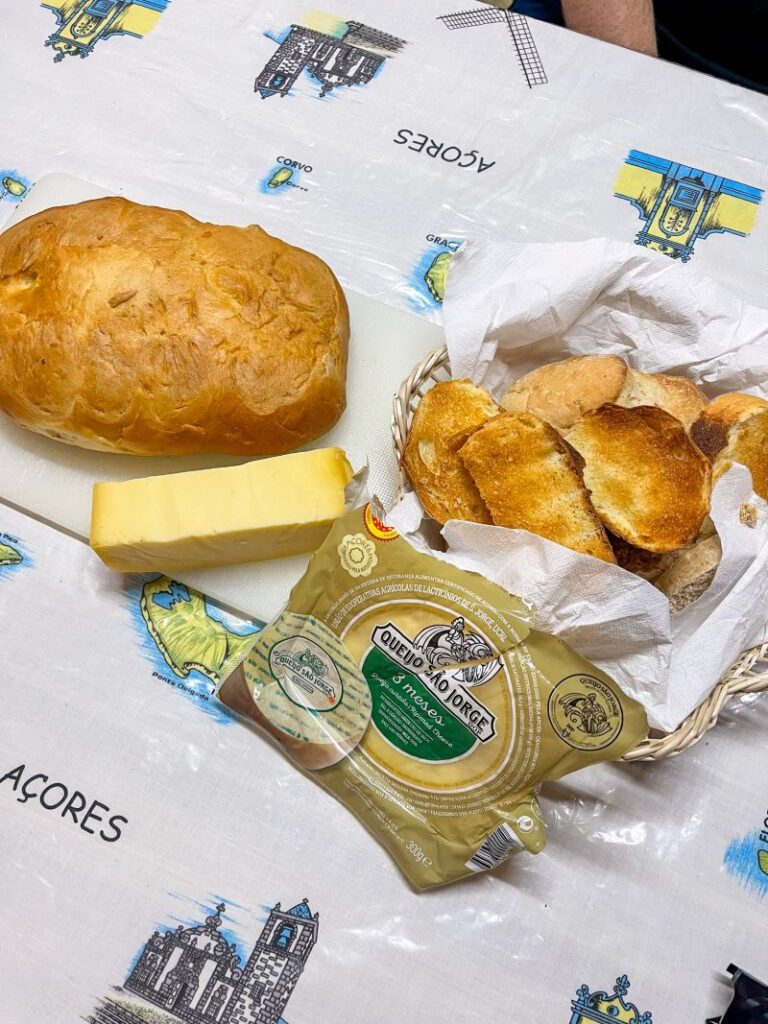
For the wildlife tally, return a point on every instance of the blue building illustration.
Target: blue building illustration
(681, 204)
(195, 975)
(341, 53)
(601, 1008)
(83, 23)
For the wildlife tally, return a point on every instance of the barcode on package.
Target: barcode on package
(496, 848)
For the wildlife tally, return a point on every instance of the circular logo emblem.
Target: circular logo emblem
(306, 674)
(357, 555)
(376, 528)
(585, 712)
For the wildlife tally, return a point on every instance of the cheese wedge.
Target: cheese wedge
(265, 509)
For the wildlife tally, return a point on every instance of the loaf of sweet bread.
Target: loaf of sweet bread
(130, 328)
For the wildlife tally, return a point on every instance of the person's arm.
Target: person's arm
(627, 23)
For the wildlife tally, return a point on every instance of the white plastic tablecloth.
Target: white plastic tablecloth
(652, 872)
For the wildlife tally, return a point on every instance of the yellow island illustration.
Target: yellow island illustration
(9, 555)
(186, 635)
(437, 275)
(280, 177)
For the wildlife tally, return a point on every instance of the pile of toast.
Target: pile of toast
(593, 455)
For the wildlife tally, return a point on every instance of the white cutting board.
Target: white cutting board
(53, 481)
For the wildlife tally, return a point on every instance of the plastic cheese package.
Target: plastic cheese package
(420, 696)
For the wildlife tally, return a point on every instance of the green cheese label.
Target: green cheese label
(409, 717)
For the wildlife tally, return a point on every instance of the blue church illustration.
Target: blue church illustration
(194, 974)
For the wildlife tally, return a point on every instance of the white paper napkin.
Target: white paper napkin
(512, 308)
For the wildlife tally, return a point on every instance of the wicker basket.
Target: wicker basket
(748, 675)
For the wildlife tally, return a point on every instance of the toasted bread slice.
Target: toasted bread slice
(691, 572)
(441, 423)
(562, 392)
(649, 482)
(530, 481)
(734, 428)
(678, 396)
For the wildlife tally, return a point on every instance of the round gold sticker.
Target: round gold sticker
(357, 555)
(585, 712)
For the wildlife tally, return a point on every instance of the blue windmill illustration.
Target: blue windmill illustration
(517, 24)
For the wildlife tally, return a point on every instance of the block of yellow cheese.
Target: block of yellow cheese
(265, 509)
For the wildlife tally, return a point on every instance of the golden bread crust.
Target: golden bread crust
(444, 417)
(137, 329)
(529, 481)
(678, 396)
(649, 482)
(561, 392)
(732, 408)
(734, 428)
(748, 445)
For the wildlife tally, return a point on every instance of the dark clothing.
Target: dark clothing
(724, 38)
(544, 10)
